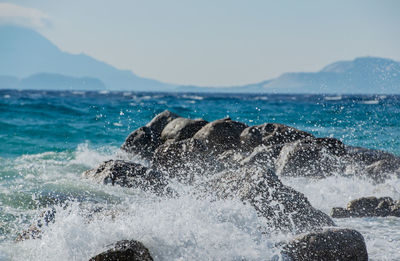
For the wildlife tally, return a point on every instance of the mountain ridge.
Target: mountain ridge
(25, 53)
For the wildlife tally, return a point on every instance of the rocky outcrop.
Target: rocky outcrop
(328, 245)
(128, 174)
(125, 250)
(275, 133)
(368, 207)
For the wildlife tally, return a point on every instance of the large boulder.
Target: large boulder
(181, 128)
(282, 207)
(368, 207)
(128, 174)
(315, 157)
(125, 250)
(142, 141)
(328, 245)
(221, 135)
(158, 123)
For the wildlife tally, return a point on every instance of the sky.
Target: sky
(214, 42)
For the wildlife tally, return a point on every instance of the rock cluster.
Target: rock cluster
(368, 207)
(228, 159)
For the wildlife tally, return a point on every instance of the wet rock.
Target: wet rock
(275, 133)
(125, 250)
(328, 245)
(127, 174)
(368, 207)
(142, 141)
(185, 159)
(263, 156)
(181, 128)
(250, 138)
(158, 123)
(221, 135)
(319, 157)
(282, 207)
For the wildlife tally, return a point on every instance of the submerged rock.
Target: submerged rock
(368, 207)
(127, 174)
(328, 245)
(125, 250)
(35, 230)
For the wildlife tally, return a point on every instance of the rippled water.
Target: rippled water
(49, 138)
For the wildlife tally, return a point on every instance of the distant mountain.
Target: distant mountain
(24, 52)
(367, 75)
(51, 81)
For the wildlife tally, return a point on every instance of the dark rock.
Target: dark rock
(142, 141)
(250, 138)
(275, 133)
(158, 123)
(328, 245)
(125, 250)
(311, 157)
(182, 128)
(363, 206)
(282, 207)
(340, 213)
(368, 207)
(395, 209)
(221, 135)
(128, 174)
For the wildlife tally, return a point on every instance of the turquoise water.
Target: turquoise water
(49, 138)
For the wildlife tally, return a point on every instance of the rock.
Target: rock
(328, 245)
(250, 138)
(282, 207)
(340, 213)
(368, 207)
(181, 128)
(128, 174)
(221, 135)
(142, 141)
(125, 250)
(312, 157)
(363, 206)
(35, 230)
(275, 133)
(263, 156)
(158, 123)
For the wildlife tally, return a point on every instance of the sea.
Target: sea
(48, 138)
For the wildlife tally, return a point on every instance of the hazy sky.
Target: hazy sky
(214, 42)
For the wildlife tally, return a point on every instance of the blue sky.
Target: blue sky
(214, 43)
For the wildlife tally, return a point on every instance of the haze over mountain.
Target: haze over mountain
(30, 61)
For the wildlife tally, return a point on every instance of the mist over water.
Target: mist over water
(49, 138)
